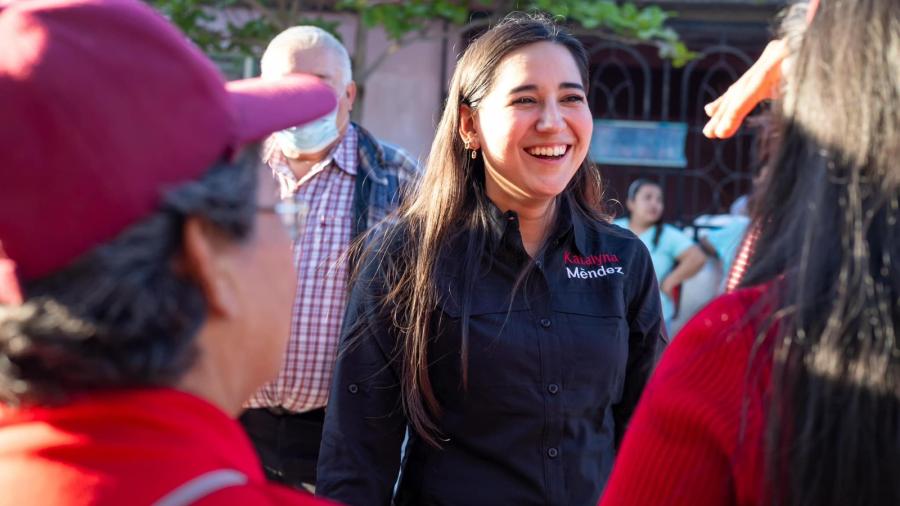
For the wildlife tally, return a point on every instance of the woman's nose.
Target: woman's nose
(551, 119)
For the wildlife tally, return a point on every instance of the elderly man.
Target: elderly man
(348, 180)
(143, 284)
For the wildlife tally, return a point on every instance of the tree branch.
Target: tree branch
(393, 48)
(294, 11)
(605, 35)
(611, 37)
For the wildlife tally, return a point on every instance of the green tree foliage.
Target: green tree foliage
(625, 22)
(245, 26)
(252, 23)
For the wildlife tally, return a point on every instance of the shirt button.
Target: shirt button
(553, 388)
(545, 322)
(552, 453)
(353, 388)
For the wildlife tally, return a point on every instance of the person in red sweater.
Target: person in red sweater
(787, 391)
(144, 295)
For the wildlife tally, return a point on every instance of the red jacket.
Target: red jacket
(132, 447)
(697, 435)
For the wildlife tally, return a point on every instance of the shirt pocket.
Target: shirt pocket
(503, 352)
(594, 340)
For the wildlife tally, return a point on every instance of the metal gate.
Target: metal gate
(633, 83)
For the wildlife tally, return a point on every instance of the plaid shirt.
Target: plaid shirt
(320, 257)
(327, 190)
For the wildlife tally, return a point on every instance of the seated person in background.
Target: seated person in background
(675, 256)
(145, 295)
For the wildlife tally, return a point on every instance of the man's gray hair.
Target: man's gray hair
(281, 51)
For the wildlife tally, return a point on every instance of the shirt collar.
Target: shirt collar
(568, 219)
(343, 155)
(498, 224)
(575, 219)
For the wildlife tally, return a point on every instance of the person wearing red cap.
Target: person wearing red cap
(349, 180)
(142, 280)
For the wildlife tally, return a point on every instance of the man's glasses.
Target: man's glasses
(291, 213)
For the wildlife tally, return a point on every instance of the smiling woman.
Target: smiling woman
(534, 128)
(502, 319)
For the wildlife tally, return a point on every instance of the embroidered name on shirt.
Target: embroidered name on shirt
(591, 266)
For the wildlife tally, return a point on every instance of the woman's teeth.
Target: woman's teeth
(548, 151)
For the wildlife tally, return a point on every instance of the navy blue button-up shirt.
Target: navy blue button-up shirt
(554, 373)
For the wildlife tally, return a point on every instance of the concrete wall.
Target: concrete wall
(402, 103)
(403, 97)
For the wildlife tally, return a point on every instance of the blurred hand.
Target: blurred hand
(760, 82)
(668, 286)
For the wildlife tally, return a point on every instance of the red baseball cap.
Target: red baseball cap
(103, 106)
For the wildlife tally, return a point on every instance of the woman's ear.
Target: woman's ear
(468, 126)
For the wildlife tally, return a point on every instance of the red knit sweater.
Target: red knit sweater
(684, 445)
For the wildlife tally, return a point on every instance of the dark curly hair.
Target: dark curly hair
(122, 315)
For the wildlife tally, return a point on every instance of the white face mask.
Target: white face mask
(311, 137)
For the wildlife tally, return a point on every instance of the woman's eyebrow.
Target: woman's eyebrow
(533, 87)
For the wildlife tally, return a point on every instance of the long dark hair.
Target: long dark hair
(633, 190)
(828, 213)
(450, 200)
